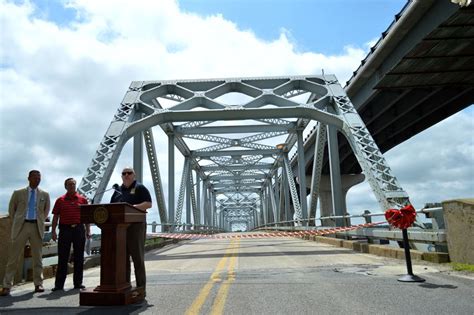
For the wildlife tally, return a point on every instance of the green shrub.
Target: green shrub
(463, 267)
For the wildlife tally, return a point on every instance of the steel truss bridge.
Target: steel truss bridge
(236, 135)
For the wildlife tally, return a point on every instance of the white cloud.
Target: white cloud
(433, 166)
(439, 162)
(61, 85)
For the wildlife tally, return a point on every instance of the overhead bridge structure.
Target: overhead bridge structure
(419, 72)
(236, 135)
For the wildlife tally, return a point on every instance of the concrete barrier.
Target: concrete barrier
(329, 240)
(459, 220)
(382, 250)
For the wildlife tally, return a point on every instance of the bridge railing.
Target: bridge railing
(367, 215)
(436, 236)
(186, 227)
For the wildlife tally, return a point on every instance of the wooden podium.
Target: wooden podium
(113, 220)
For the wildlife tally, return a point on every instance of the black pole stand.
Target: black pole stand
(410, 277)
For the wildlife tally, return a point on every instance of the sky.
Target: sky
(66, 65)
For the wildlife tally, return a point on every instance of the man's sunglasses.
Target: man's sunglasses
(127, 173)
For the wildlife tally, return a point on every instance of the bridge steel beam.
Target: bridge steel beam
(231, 147)
(302, 176)
(189, 193)
(384, 184)
(271, 202)
(338, 203)
(194, 206)
(155, 175)
(138, 153)
(198, 201)
(292, 186)
(321, 138)
(171, 183)
(182, 188)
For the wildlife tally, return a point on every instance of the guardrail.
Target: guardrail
(418, 234)
(186, 227)
(367, 215)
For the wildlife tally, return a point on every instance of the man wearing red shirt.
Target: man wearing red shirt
(66, 210)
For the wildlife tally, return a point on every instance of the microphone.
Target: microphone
(117, 193)
(115, 188)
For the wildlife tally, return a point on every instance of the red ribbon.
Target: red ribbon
(402, 218)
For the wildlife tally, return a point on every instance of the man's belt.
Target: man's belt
(70, 225)
(31, 221)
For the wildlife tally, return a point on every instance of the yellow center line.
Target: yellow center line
(219, 302)
(215, 277)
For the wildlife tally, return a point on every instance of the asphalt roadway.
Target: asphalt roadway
(266, 276)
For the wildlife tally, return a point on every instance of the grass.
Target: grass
(463, 267)
(155, 240)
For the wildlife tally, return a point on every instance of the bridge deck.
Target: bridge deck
(267, 276)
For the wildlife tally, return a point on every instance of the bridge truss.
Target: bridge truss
(236, 135)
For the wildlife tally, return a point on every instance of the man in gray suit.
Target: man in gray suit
(28, 210)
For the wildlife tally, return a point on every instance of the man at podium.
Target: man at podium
(137, 195)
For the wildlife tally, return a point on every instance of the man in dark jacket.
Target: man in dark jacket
(138, 196)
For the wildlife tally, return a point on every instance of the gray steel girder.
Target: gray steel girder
(259, 124)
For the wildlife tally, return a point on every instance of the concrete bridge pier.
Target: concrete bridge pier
(325, 196)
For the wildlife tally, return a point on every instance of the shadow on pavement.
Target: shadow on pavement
(10, 300)
(56, 295)
(437, 286)
(84, 310)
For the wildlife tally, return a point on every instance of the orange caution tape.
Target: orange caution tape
(265, 235)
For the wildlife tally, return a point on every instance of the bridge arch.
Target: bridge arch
(243, 171)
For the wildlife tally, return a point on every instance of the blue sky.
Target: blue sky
(65, 67)
(316, 25)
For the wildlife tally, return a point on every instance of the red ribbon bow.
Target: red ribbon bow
(402, 218)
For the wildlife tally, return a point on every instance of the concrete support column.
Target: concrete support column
(325, 194)
(458, 217)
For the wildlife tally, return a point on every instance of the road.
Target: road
(267, 276)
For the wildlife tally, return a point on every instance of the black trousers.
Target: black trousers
(136, 235)
(77, 237)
